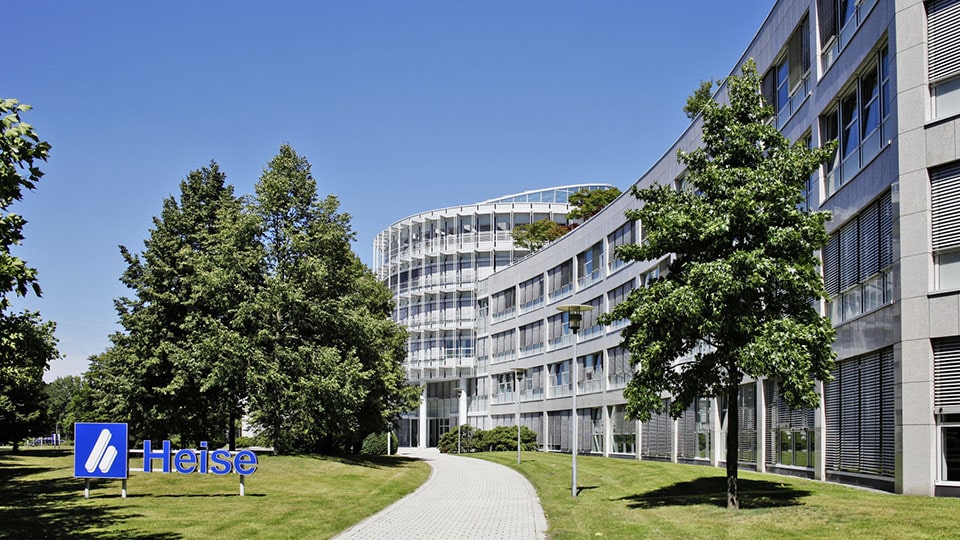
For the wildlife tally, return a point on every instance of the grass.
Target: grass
(288, 497)
(647, 499)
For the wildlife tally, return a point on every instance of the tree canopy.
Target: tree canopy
(586, 203)
(27, 344)
(534, 236)
(743, 284)
(256, 307)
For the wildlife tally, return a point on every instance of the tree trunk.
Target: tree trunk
(733, 444)
(232, 432)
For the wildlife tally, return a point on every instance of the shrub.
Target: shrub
(375, 444)
(503, 438)
(468, 439)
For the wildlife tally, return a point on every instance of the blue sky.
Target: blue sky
(400, 106)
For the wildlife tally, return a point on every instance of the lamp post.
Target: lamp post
(575, 316)
(517, 377)
(459, 425)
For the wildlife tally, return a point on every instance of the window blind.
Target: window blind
(945, 207)
(943, 39)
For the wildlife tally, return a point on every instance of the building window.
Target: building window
(624, 431)
(839, 20)
(558, 327)
(559, 379)
(531, 338)
(560, 280)
(590, 373)
(943, 56)
(946, 400)
(624, 235)
(857, 120)
(504, 346)
(860, 423)
(558, 431)
(615, 297)
(589, 264)
(791, 434)
(657, 440)
(531, 293)
(618, 360)
(504, 304)
(857, 262)
(694, 431)
(945, 225)
(786, 84)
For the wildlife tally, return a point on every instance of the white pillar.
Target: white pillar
(422, 436)
(762, 426)
(716, 431)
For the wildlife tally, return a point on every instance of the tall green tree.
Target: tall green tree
(588, 202)
(184, 353)
(62, 394)
(739, 297)
(328, 364)
(27, 344)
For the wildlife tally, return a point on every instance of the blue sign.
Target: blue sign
(201, 461)
(100, 450)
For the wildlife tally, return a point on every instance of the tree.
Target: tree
(534, 236)
(328, 364)
(27, 344)
(182, 360)
(62, 394)
(739, 297)
(586, 202)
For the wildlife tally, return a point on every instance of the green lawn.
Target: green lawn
(646, 499)
(288, 497)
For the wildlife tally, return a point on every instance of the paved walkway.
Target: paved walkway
(464, 498)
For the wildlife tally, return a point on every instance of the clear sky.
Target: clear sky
(401, 106)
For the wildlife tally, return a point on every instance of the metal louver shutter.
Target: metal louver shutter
(945, 207)
(888, 422)
(831, 265)
(850, 420)
(748, 423)
(834, 415)
(768, 87)
(886, 231)
(849, 255)
(946, 372)
(870, 414)
(869, 225)
(770, 422)
(827, 10)
(687, 434)
(943, 39)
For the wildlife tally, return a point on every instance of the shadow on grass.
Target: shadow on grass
(713, 491)
(377, 462)
(33, 507)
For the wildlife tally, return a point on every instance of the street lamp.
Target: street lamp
(575, 316)
(517, 377)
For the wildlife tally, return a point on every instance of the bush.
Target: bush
(468, 439)
(497, 439)
(375, 444)
(505, 438)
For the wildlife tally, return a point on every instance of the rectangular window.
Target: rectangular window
(860, 423)
(624, 431)
(559, 379)
(560, 280)
(531, 293)
(790, 432)
(943, 56)
(618, 362)
(785, 86)
(503, 303)
(504, 346)
(945, 224)
(857, 121)
(624, 235)
(657, 440)
(589, 264)
(531, 338)
(857, 262)
(838, 22)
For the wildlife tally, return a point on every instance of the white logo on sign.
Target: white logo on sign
(101, 456)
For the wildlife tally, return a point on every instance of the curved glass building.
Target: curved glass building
(432, 261)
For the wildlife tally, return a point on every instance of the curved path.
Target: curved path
(464, 498)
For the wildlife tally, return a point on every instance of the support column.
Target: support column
(462, 403)
(422, 435)
(762, 426)
(716, 432)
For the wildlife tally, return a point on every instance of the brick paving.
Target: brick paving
(464, 498)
